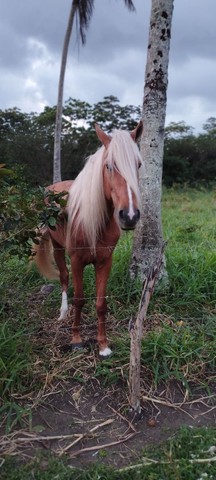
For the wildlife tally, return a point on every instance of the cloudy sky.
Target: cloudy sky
(113, 60)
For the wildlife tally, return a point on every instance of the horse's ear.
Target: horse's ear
(102, 136)
(137, 132)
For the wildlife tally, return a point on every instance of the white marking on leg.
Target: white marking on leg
(131, 211)
(64, 306)
(106, 352)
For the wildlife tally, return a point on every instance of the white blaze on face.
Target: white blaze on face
(131, 212)
(64, 306)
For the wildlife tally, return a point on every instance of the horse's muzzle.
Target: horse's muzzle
(127, 220)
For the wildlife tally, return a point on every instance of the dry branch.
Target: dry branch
(149, 462)
(103, 446)
(136, 332)
(83, 435)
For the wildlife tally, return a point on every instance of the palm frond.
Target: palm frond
(84, 11)
(130, 5)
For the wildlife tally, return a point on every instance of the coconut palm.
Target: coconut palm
(82, 11)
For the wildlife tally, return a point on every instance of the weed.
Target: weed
(15, 361)
(187, 455)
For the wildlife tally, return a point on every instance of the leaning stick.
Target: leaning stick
(136, 332)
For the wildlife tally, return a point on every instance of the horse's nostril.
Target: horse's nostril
(121, 214)
(127, 218)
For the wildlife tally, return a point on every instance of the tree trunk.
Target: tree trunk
(148, 237)
(58, 124)
(136, 333)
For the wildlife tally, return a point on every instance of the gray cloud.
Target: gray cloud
(113, 60)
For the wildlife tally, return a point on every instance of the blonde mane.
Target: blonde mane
(86, 206)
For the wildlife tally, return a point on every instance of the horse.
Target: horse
(101, 201)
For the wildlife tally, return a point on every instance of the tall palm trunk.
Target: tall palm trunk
(148, 237)
(83, 9)
(58, 124)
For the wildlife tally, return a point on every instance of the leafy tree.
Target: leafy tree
(178, 130)
(179, 151)
(210, 126)
(27, 139)
(79, 139)
(111, 115)
(22, 210)
(26, 142)
(189, 158)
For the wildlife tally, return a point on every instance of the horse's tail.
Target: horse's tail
(42, 256)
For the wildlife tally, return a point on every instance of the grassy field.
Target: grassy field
(179, 343)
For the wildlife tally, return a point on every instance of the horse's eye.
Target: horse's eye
(139, 164)
(109, 167)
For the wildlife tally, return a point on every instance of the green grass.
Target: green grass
(177, 351)
(181, 345)
(185, 456)
(190, 228)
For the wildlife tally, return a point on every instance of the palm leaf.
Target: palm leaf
(84, 11)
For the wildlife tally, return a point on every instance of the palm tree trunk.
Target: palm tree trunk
(148, 236)
(58, 124)
(84, 10)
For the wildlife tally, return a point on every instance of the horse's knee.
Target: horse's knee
(101, 306)
(64, 277)
(78, 303)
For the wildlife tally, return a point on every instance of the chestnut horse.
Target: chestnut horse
(102, 200)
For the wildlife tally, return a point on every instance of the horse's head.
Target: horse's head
(122, 160)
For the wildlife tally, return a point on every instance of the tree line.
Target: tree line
(27, 139)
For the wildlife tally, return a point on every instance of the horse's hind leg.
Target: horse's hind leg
(59, 255)
(78, 300)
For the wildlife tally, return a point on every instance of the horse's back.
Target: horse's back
(60, 186)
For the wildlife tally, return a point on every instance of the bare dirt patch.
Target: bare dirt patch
(89, 423)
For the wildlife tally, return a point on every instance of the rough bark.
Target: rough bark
(58, 124)
(148, 236)
(136, 333)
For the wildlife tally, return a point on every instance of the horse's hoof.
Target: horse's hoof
(105, 353)
(47, 289)
(76, 346)
(63, 314)
(71, 347)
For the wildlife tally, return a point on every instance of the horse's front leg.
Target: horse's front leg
(59, 255)
(102, 274)
(78, 300)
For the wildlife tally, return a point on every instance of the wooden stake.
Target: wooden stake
(136, 332)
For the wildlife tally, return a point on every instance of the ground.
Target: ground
(87, 418)
(98, 428)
